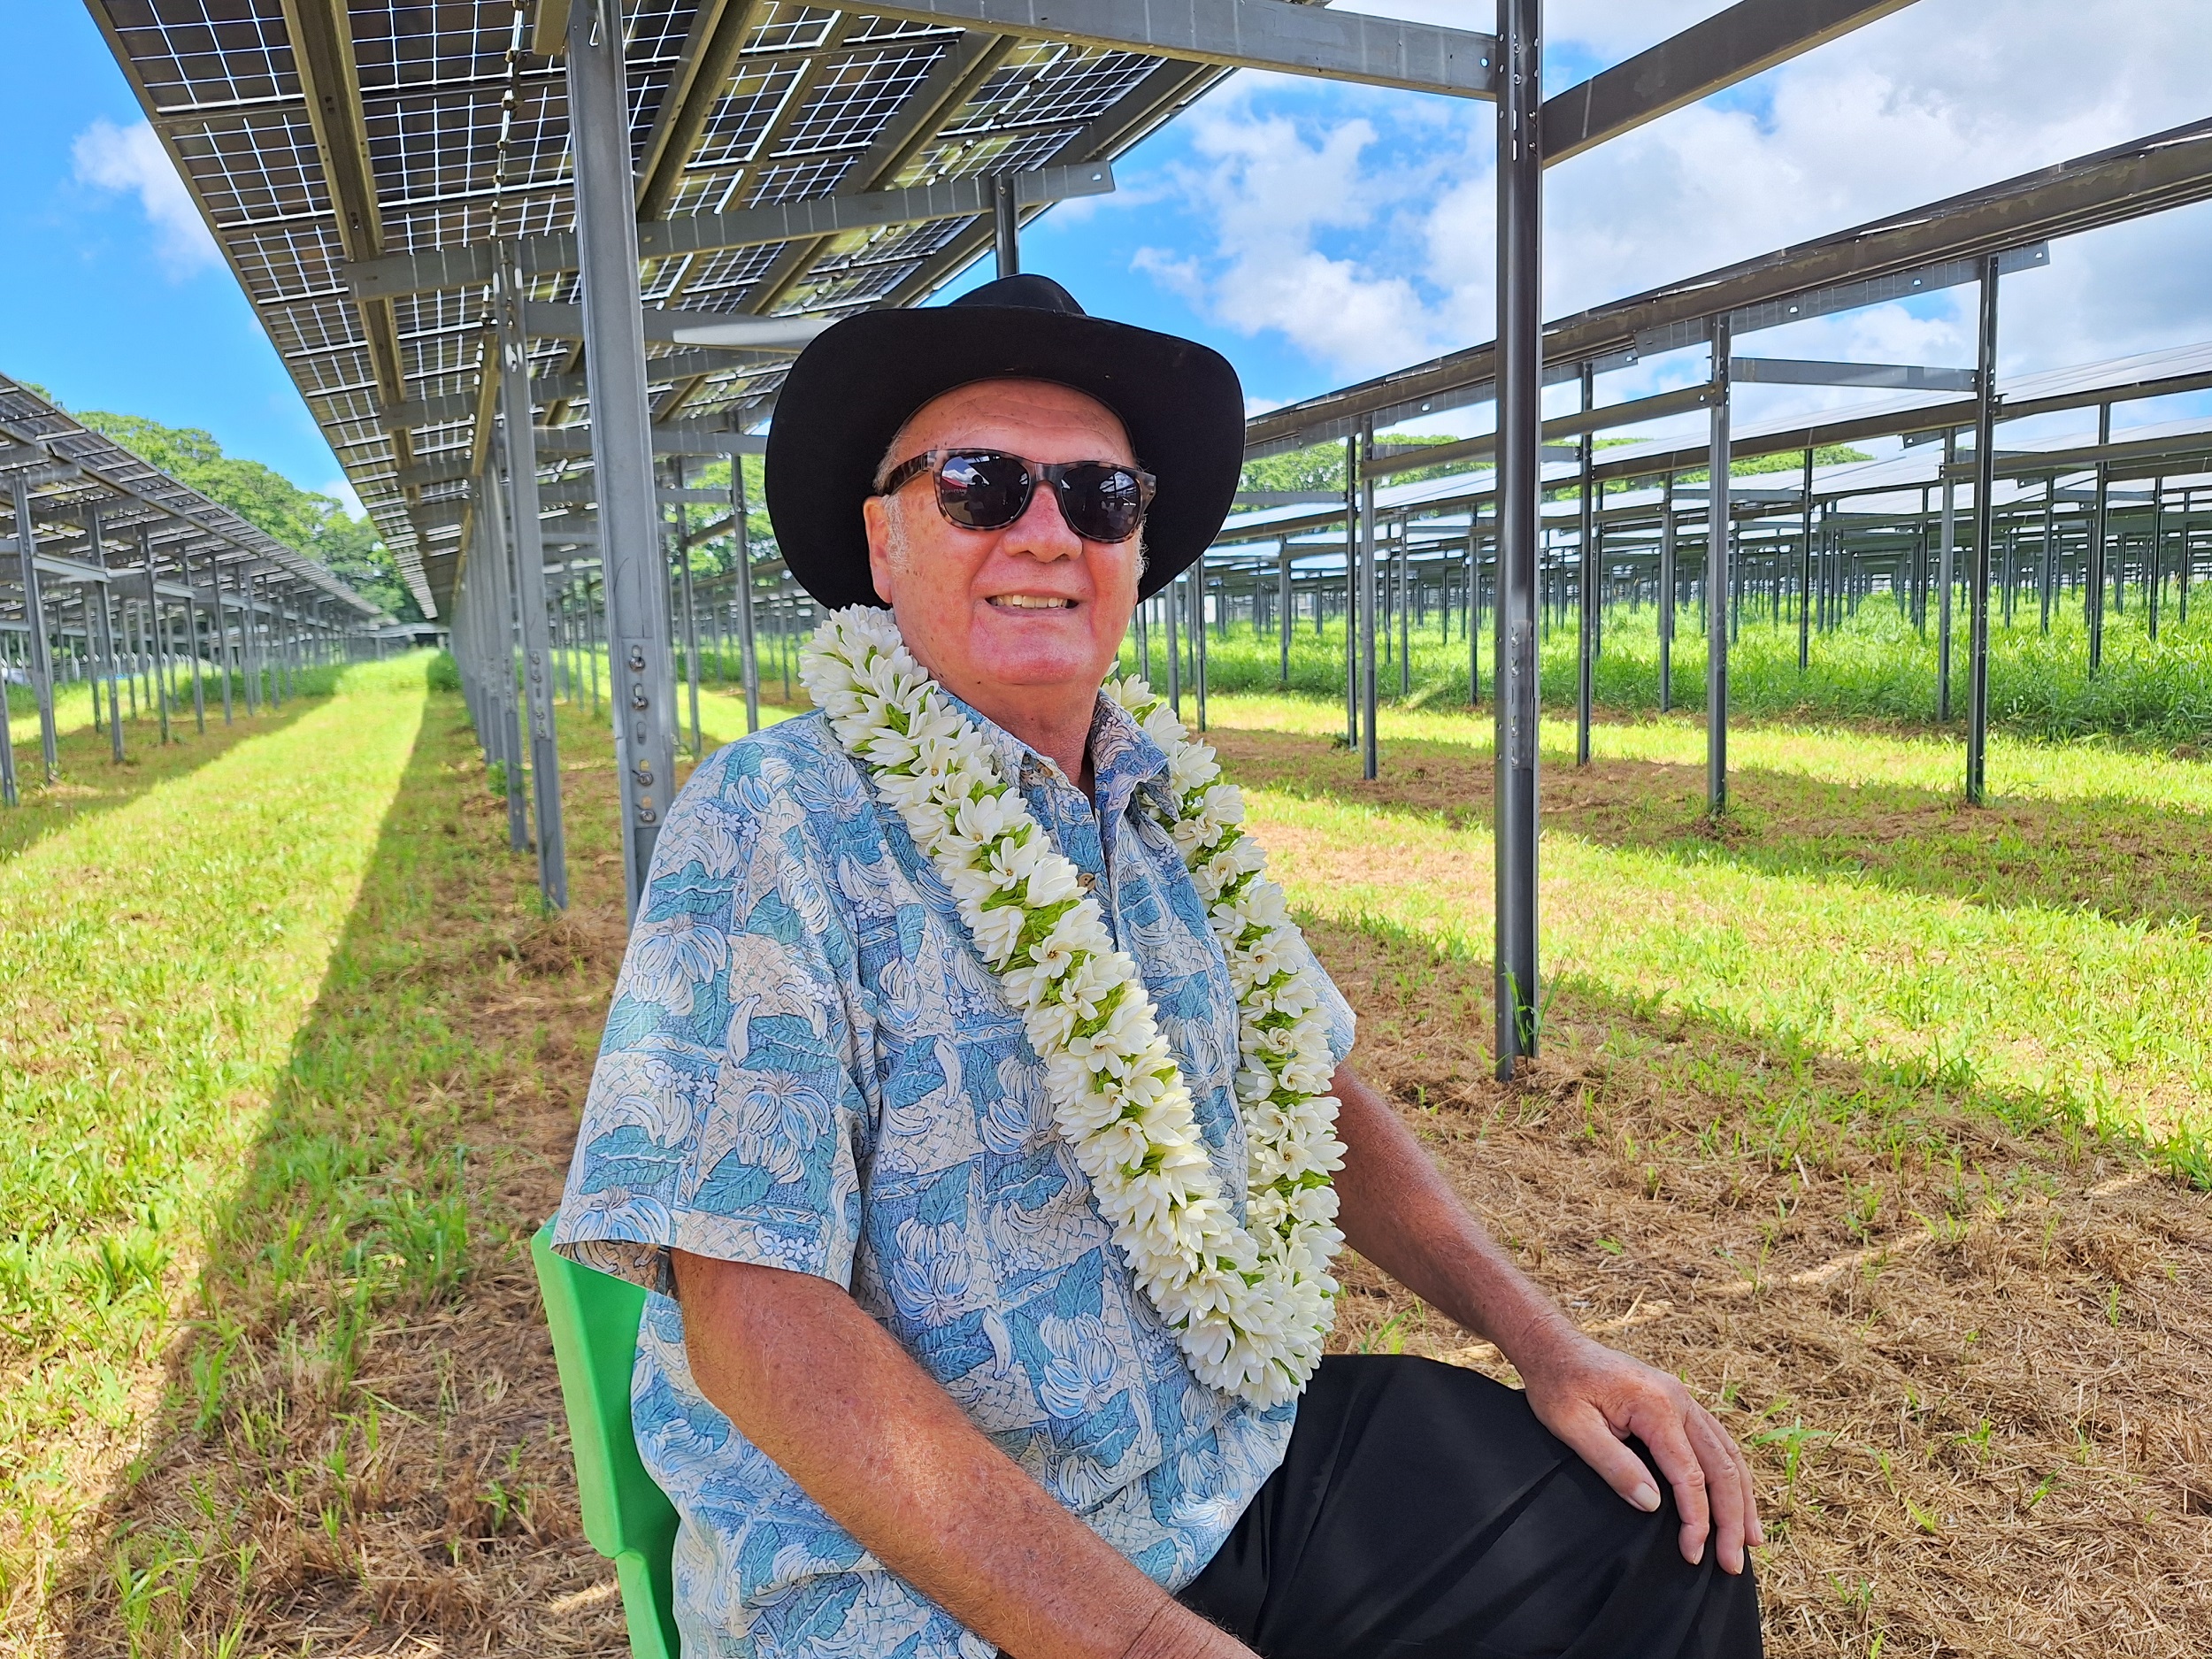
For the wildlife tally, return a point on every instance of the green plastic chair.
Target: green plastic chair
(627, 1518)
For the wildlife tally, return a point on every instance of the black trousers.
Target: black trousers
(1422, 1512)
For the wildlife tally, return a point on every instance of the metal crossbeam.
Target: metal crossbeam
(2147, 175)
(469, 265)
(1704, 58)
(1274, 35)
(1892, 376)
(1658, 407)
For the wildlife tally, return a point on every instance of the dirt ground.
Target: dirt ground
(1970, 1365)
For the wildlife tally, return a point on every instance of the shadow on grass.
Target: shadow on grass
(360, 1440)
(2125, 861)
(1798, 1099)
(91, 782)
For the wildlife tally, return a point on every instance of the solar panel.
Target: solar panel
(464, 135)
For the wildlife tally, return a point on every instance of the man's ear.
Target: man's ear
(875, 513)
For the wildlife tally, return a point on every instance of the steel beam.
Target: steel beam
(1272, 35)
(622, 443)
(472, 265)
(517, 433)
(1984, 529)
(1520, 372)
(1707, 56)
(1892, 376)
(42, 656)
(1716, 582)
(1585, 598)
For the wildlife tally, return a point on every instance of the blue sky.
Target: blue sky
(1315, 232)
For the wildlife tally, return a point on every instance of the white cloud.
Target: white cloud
(131, 159)
(1366, 239)
(1271, 189)
(341, 490)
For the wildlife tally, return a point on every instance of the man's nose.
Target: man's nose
(1042, 531)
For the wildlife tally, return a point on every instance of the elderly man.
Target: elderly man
(983, 1127)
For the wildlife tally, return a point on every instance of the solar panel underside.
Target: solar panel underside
(466, 138)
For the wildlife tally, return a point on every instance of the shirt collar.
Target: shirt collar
(1123, 759)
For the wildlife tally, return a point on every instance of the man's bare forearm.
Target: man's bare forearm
(821, 1388)
(1396, 1209)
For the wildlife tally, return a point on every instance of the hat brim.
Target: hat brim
(855, 386)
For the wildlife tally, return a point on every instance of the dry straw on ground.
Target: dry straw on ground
(1968, 1362)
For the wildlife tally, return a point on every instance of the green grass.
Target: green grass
(2046, 954)
(1874, 668)
(156, 960)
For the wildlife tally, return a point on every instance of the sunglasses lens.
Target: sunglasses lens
(1102, 502)
(981, 491)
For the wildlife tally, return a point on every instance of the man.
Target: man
(917, 1383)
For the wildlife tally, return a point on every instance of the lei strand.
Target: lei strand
(1251, 1305)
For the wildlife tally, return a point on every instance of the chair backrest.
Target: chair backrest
(627, 1518)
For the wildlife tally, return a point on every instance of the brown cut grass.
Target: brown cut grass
(1964, 1342)
(1968, 1362)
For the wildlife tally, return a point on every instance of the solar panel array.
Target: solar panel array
(466, 138)
(71, 468)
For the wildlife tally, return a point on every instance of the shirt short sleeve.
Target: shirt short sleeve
(1336, 1013)
(725, 1118)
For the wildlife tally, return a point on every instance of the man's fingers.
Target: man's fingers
(1754, 1530)
(1679, 1462)
(1585, 1431)
(1726, 1483)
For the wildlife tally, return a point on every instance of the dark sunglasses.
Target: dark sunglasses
(987, 490)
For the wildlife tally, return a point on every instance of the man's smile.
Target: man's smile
(1031, 602)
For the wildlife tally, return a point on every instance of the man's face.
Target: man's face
(1030, 609)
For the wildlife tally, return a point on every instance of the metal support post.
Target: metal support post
(41, 656)
(1947, 575)
(96, 536)
(691, 611)
(1474, 611)
(2047, 555)
(1520, 386)
(1805, 573)
(491, 547)
(1198, 632)
(1984, 530)
(222, 629)
(192, 634)
(1168, 604)
(1717, 563)
(1363, 606)
(1586, 582)
(1283, 617)
(2093, 595)
(746, 626)
(1005, 226)
(518, 445)
(153, 620)
(621, 436)
(1351, 590)
(1667, 579)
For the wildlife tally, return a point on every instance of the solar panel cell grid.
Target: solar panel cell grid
(467, 143)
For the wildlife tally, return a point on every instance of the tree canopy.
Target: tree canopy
(303, 520)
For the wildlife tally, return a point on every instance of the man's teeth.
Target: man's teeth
(1032, 601)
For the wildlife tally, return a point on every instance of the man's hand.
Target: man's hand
(1595, 1398)
(1399, 1212)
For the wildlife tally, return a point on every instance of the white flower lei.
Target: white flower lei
(1251, 1304)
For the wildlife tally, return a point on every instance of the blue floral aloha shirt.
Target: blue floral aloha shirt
(807, 1065)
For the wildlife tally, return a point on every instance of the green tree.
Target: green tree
(302, 519)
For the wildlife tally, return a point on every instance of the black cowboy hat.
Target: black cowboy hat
(852, 389)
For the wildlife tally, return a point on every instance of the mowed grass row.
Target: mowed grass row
(164, 930)
(2047, 953)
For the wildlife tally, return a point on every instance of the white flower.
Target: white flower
(1251, 1305)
